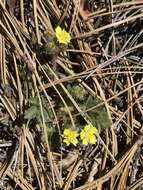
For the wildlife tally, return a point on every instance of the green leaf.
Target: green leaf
(34, 110)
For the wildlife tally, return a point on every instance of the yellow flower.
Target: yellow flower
(63, 37)
(87, 135)
(70, 137)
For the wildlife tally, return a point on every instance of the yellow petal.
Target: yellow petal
(93, 140)
(65, 141)
(82, 135)
(66, 131)
(84, 141)
(58, 30)
(75, 142)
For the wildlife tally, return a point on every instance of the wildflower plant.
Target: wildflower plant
(33, 115)
(56, 43)
(87, 135)
(98, 116)
(70, 137)
(62, 36)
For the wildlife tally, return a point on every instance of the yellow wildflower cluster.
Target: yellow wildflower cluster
(87, 135)
(70, 137)
(62, 36)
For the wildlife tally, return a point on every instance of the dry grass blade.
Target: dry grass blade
(96, 31)
(117, 169)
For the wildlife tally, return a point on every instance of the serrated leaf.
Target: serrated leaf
(31, 113)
